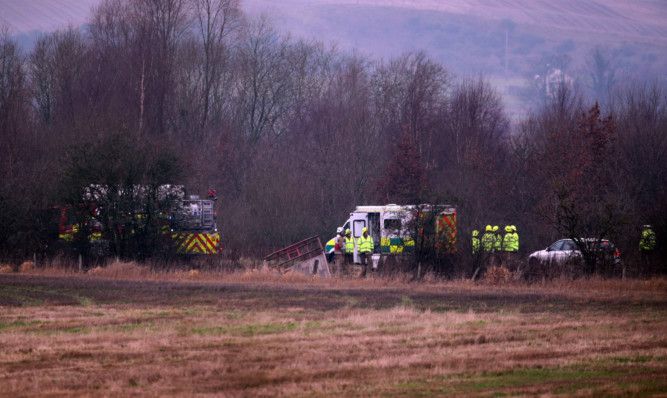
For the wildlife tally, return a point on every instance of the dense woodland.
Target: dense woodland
(293, 135)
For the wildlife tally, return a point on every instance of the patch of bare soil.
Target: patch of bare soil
(49, 290)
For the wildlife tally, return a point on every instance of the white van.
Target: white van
(393, 227)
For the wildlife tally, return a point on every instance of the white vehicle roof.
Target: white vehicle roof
(395, 207)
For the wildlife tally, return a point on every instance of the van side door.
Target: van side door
(358, 221)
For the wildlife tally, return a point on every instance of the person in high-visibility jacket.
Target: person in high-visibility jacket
(488, 239)
(497, 239)
(509, 245)
(647, 242)
(477, 254)
(475, 242)
(365, 248)
(349, 248)
(508, 239)
(647, 245)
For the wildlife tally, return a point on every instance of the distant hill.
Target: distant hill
(503, 39)
(470, 35)
(25, 16)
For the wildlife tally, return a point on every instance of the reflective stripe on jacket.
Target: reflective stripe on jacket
(511, 242)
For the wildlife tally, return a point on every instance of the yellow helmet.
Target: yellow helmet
(508, 228)
(364, 230)
(489, 228)
(347, 231)
(495, 228)
(475, 233)
(514, 228)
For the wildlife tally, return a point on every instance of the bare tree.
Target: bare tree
(333, 138)
(162, 24)
(471, 148)
(25, 169)
(13, 104)
(141, 38)
(263, 85)
(59, 67)
(218, 22)
(410, 91)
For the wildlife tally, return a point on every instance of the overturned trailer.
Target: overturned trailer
(305, 257)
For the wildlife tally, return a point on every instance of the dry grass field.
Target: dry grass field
(123, 331)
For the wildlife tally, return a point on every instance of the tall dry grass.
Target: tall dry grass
(496, 278)
(216, 349)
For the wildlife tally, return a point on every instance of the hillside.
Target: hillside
(644, 20)
(506, 40)
(469, 36)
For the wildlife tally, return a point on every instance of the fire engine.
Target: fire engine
(186, 224)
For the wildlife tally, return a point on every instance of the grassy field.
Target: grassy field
(129, 332)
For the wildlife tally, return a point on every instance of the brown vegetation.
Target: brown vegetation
(294, 135)
(268, 335)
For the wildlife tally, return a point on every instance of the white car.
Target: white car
(566, 251)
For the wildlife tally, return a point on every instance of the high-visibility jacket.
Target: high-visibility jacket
(487, 241)
(365, 244)
(507, 242)
(497, 243)
(475, 245)
(511, 242)
(349, 244)
(647, 242)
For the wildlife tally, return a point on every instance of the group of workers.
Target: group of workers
(494, 241)
(498, 247)
(344, 250)
(502, 246)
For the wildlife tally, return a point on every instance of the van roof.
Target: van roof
(394, 207)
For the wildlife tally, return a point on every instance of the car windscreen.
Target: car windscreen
(556, 246)
(569, 245)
